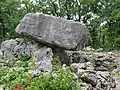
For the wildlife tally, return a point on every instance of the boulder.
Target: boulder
(54, 31)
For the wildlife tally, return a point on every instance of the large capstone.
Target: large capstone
(54, 31)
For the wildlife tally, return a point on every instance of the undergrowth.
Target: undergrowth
(18, 74)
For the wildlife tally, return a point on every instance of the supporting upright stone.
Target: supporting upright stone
(43, 60)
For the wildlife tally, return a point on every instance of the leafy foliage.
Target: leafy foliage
(102, 17)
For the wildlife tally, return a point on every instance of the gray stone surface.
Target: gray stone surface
(54, 31)
(100, 69)
(43, 58)
(99, 60)
(14, 47)
(100, 81)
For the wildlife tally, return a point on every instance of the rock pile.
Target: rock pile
(97, 69)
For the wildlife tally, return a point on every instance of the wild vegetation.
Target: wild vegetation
(102, 18)
(18, 73)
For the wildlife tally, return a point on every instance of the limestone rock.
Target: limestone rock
(82, 67)
(14, 47)
(99, 69)
(54, 31)
(43, 58)
(99, 81)
(99, 61)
